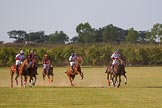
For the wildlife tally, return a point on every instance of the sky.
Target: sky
(65, 15)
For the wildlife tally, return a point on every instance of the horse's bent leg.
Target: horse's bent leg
(16, 79)
(43, 75)
(34, 80)
(25, 81)
(114, 81)
(51, 78)
(71, 80)
(21, 80)
(31, 81)
(108, 80)
(111, 76)
(125, 79)
(82, 75)
(119, 81)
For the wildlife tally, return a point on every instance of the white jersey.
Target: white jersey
(22, 57)
(115, 57)
(19, 58)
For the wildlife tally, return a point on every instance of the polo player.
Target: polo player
(19, 59)
(46, 63)
(115, 59)
(72, 61)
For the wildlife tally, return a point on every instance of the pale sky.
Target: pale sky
(65, 15)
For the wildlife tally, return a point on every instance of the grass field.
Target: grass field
(144, 90)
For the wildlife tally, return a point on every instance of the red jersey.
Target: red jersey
(46, 61)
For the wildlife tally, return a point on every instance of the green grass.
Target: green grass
(144, 90)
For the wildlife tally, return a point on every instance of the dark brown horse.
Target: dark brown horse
(77, 70)
(49, 73)
(116, 73)
(33, 71)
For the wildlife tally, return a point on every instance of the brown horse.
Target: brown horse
(49, 73)
(119, 70)
(22, 70)
(77, 70)
(12, 72)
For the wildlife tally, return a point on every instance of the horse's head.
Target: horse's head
(26, 63)
(34, 63)
(79, 59)
(24, 66)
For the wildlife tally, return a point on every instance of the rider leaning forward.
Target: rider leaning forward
(19, 59)
(115, 58)
(46, 63)
(30, 56)
(72, 61)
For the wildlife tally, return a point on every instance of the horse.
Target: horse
(12, 72)
(48, 71)
(117, 72)
(77, 70)
(22, 71)
(33, 71)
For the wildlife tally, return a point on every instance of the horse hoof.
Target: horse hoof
(72, 85)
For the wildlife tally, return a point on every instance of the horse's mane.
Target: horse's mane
(22, 66)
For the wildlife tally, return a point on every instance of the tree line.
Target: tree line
(87, 34)
(93, 55)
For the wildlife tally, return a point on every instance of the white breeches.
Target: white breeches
(18, 62)
(30, 63)
(115, 62)
(72, 63)
(45, 66)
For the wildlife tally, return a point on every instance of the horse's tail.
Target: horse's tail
(106, 71)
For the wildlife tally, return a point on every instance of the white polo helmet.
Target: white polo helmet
(21, 51)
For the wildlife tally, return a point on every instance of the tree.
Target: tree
(86, 34)
(74, 39)
(142, 36)
(110, 34)
(58, 37)
(38, 37)
(149, 37)
(99, 38)
(156, 31)
(132, 36)
(19, 35)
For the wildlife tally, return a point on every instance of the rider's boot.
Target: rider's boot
(112, 67)
(36, 70)
(17, 71)
(72, 69)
